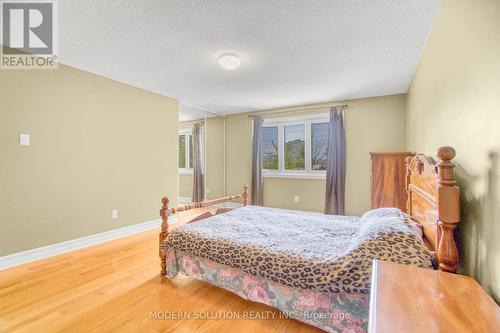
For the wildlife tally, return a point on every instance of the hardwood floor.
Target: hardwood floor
(114, 287)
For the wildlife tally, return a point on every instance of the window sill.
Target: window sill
(185, 172)
(292, 175)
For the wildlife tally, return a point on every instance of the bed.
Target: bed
(314, 267)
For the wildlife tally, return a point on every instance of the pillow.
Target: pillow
(382, 212)
(374, 227)
(385, 213)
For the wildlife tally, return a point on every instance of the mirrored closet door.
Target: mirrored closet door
(201, 162)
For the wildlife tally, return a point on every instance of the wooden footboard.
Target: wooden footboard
(165, 212)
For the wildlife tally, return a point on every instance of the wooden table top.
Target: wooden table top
(411, 299)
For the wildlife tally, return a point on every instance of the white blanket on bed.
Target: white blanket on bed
(306, 250)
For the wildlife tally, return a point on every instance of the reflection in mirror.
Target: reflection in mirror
(207, 181)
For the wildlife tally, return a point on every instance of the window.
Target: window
(295, 147)
(270, 148)
(319, 145)
(182, 151)
(186, 151)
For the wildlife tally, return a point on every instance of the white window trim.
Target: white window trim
(189, 171)
(306, 120)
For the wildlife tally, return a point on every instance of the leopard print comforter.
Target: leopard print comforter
(324, 253)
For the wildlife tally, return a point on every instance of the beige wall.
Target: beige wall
(214, 171)
(96, 144)
(454, 100)
(372, 124)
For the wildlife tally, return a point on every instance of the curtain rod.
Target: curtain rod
(298, 110)
(192, 123)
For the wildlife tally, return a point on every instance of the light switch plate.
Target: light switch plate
(296, 198)
(114, 214)
(24, 139)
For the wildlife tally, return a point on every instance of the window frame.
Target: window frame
(307, 173)
(188, 132)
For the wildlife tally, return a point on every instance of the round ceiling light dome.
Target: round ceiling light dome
(229, 61)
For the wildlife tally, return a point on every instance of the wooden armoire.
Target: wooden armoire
(388, 179)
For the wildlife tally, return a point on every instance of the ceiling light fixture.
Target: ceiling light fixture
(229, 61)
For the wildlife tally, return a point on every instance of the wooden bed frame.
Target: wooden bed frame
(165, 212)
(433, 202)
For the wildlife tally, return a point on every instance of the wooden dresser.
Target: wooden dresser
(411, 299)
(388, 179)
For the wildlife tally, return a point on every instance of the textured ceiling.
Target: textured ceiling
(292, 52)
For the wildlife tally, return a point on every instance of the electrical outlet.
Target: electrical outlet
(296, 198)
(114, 214)
(24, 139)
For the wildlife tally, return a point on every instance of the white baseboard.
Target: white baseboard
(24, 257)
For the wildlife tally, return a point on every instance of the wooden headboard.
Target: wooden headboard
(434, 203)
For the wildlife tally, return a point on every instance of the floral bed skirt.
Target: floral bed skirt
(332, 312)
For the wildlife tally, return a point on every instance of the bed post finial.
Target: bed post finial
(164, 213)
(448, 198)
(245, 195)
